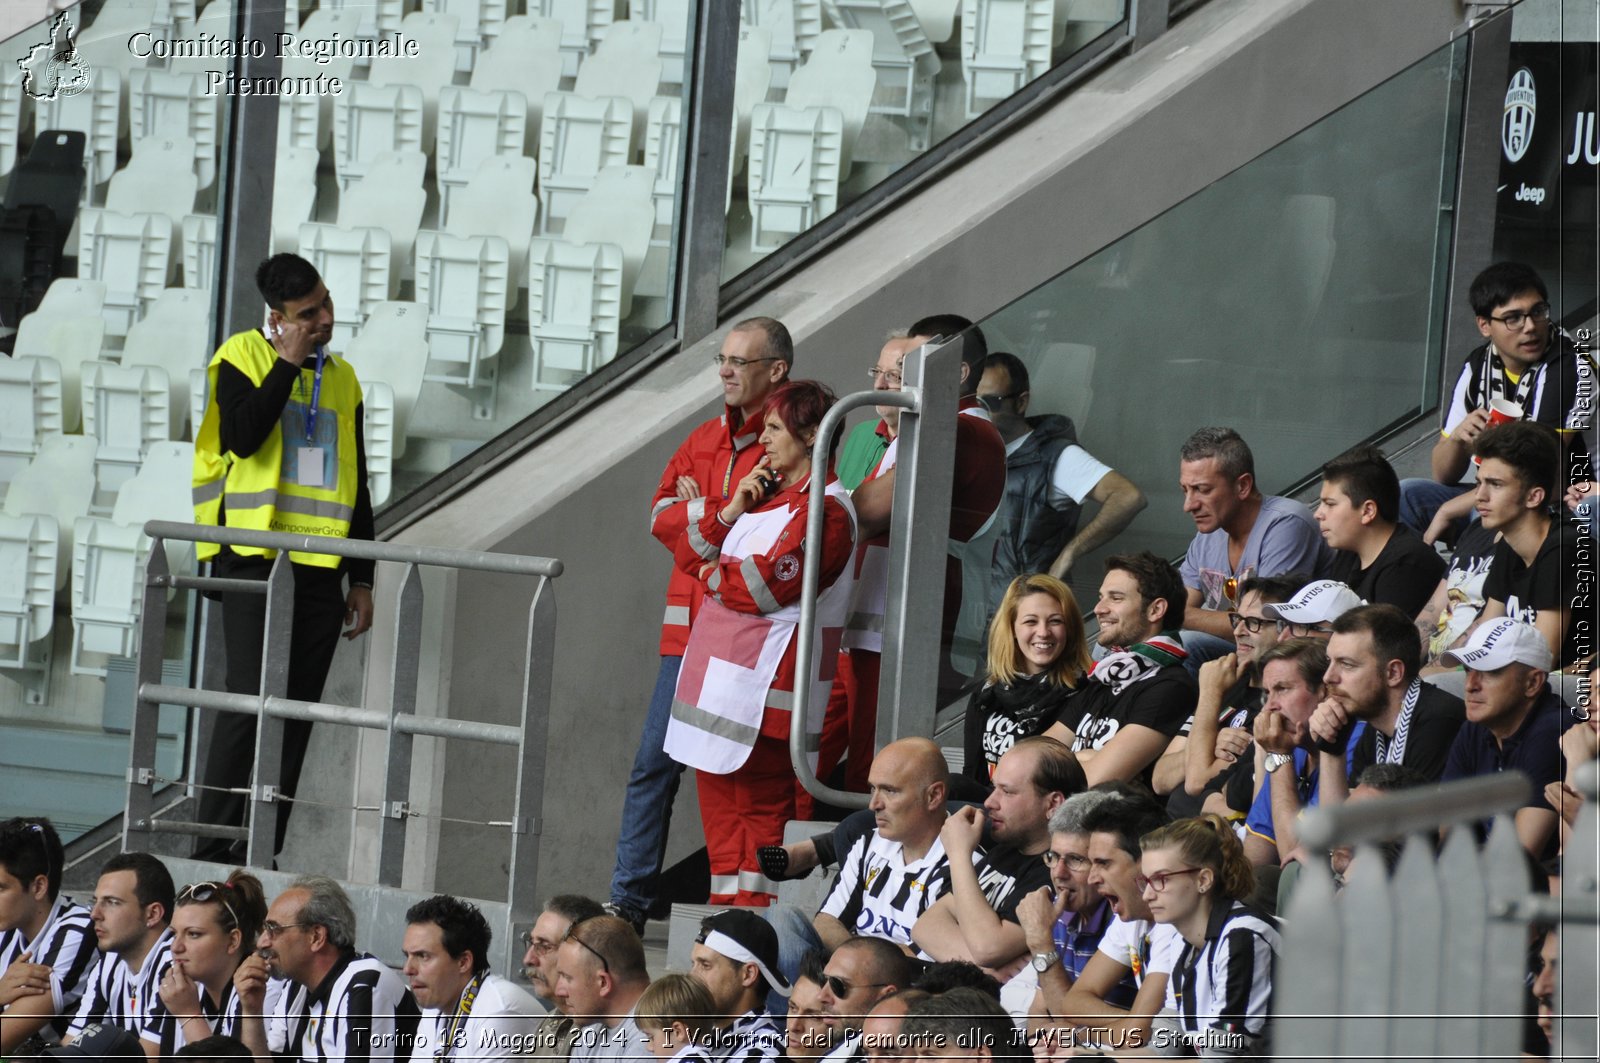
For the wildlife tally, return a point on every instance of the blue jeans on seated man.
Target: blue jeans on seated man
(647, 803)
(1420, 499)
(1201, 648)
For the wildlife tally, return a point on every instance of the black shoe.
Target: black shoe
(627, 915)
(774, 861)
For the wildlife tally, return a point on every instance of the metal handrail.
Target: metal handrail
(811, 574)
(398, 719)
(360, 549)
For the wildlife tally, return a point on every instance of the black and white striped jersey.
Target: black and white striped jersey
(1221, 990)
(118, 996)
(877, 894)
(361, 1011)
(223, 1018)
(66, 945)
(754, 1037)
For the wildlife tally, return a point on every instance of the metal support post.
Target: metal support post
(278, 634)
(146, 713)
(1148, 20)
(909, 686)
(527, 812)
(702, 217)
(395, 819)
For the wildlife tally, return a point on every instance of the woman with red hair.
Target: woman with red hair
(730, 716)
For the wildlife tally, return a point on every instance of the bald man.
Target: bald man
(891, 876)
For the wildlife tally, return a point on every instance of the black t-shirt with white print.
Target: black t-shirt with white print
(1556, 580)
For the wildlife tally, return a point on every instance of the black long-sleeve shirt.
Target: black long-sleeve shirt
(248, 413)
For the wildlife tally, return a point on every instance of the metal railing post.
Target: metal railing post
(909, 683)
(810, 577)
(146, 713)
(395, 811)
(1148, 20)
(527, 813)
(277, 635)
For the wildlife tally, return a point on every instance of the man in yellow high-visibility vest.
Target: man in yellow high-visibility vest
(280, 449)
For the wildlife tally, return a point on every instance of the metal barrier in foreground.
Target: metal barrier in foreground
(400, 723)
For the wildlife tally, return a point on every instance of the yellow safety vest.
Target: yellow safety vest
(277, 488)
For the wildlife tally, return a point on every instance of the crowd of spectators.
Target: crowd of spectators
(1103, 871)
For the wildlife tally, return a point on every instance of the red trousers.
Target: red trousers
(742, 811)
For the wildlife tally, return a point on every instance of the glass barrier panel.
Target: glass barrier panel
(109, 154)
(833, 96)
(1296, 300)
(490, 196)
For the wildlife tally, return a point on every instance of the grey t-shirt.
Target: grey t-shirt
(1285, 539)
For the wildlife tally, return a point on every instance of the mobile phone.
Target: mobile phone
(770, 484)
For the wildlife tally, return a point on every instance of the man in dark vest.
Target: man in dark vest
(1048, 479)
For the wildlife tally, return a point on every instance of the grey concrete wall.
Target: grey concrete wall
(1231, 81)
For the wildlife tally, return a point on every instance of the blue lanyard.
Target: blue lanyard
(316, 397)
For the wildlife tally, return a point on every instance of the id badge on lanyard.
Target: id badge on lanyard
(308, 460)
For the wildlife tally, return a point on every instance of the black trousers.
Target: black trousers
(318, 618)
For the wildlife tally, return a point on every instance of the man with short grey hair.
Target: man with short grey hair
(339, 1003)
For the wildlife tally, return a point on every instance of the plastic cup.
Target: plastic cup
(1501, 411)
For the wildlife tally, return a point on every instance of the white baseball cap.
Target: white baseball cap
(1499, 643)
(1321, 602)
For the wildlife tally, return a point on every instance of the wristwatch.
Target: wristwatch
(1043, 961)
(1275, 761)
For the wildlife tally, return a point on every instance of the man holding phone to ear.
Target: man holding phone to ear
(280, 449)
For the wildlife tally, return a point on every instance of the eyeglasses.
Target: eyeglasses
(272, 930)
(540, 946)
(1300, 631)
(572, 936)
(1252, 624)
(992, 402)
(1516, 318)
(1161, 879)
(840, 988)
(738, 363)
(1074, 861)
(201, 892)
(890, 376)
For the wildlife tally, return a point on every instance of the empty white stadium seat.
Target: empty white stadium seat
(477, 21)
(838, 74)
(938, 17)
(673, 18)
(108, 557)
(626, 63)
(903, 57)
(307, 121)
(125, 410)
(174, 336)
(70, 328)
(752, 80)
(474, 126)
(29, 552)
(795, 168)
(199, 251)
(430, 70)
(163, 105)
(11, 97)
(131, 254)
(379, 18)
(574, 301)
(94, 112)
(199, 394)
(389, 197)
(620, 210)
(294, 194)
(103, 43)
(215, 20)
(663, 131)
(58, 483)
(1004, 45)
(525, 58)
(463, 283)
(159, 179)
(392, 347)
(794, 25)
(372, 120)
(579, 137)
(499, 201)
(352, 262)
(583, 23)
(378, 436)
(30, 410)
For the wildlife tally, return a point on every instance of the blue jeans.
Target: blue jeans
(1421, 498)
(647, 803)
(796, 937)
(1202, 648)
